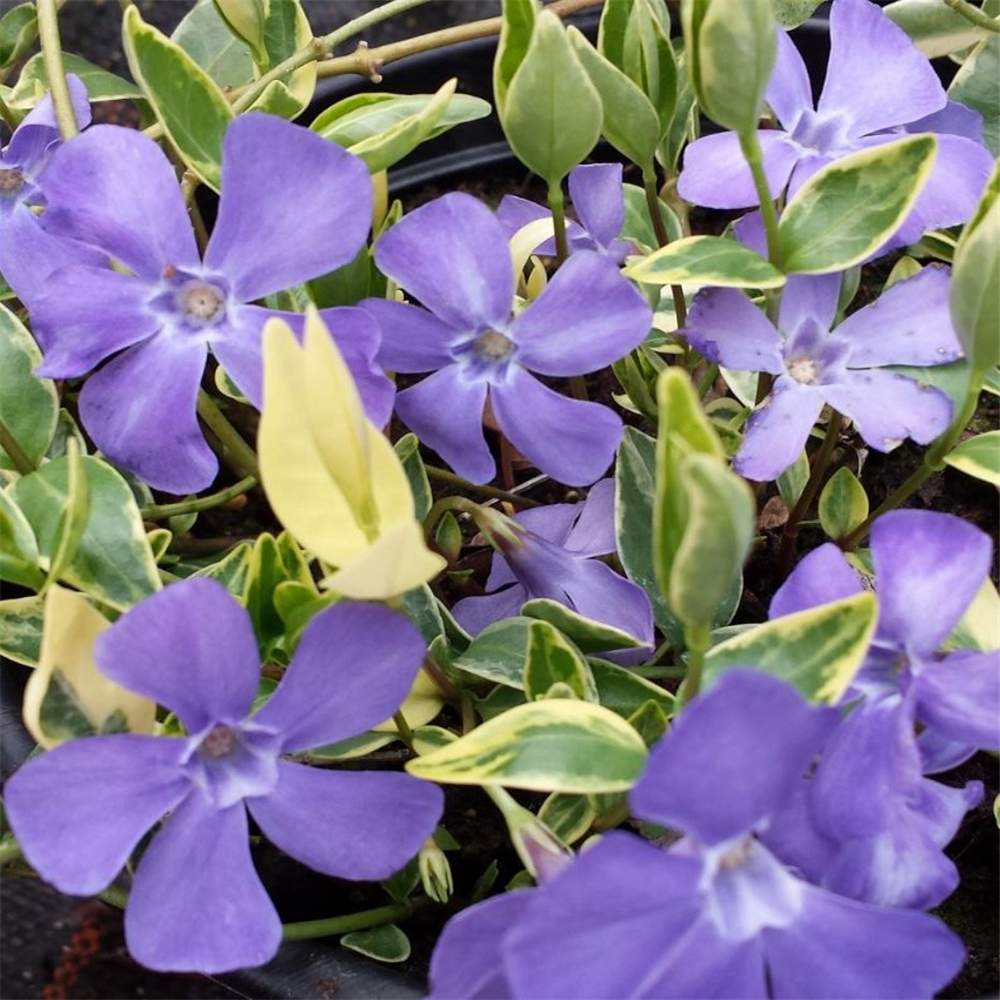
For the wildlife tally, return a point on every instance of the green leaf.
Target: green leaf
(649, 721)
(848, 209)
(272, 562)
(21, 628)
(231, 570)
(18, 549)
(285, 31)
(843, 504)
(791, 13)
(630, 122)
(516, 31)
(29, 405)
(591, 636)
(112, 560)
(73, 515)
(18, 31)
(194, 111)
(731, 50)
(385, 943)
(638, 226)
(101, 85)
(553, 659)
(934, 28)
(625, 692)
(974, 293)
(979, 456)
(245, 19)
(635, 479)
(499, 652)
(569, 817)
(793, 480)
(208, 40)
(557, 745)
(817, 651)
(550, 80)
(975, 86)
(706, 260)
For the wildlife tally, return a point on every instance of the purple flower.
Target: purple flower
(196, 903)
(878, 84)
(717, 914)
(294, 206)
(596, 192)
(549, 555)
(928, 567)
(28, 255)
(908, 325)
(452, 255)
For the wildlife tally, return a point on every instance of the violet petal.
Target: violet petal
(809, 297)
(413, 340)
(596, 192)
(824, 575)
(777, 430)
(959, 697)
(789, 91)
(728, 329)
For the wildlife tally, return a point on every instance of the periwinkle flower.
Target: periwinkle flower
(27, 253)
(596, 192)
(548, 553)
(844, 366)
(717, 914)
(452, 255)
(293, 206)
(878, 84)
(196, 903)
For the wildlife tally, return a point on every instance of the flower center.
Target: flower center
(201, 302)
(219, 742)
(824, 134)
(804, 370)
(492, 346)
(11, 180)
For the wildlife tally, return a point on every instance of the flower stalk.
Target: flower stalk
(48, 33)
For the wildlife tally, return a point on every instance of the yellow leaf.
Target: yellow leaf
(67, 696)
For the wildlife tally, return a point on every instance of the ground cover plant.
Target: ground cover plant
(315, 509)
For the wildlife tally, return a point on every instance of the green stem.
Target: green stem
(15, 452)
(234, 451)
(817, 474)
(656, 672)
(306, 929)
(403, 728)
(160, 512)
(319, 48)
(933, 462)
(750, 144)
(974, 15)
(662, 238)
(114, 896)
(557, 205)
(661, 651)
(8, 116)
(493, 492)
(48, 34)
(698, 639)
(10, 850)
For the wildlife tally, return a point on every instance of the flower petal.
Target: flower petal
(44, 114)
(910, 324)
(594, 531)
(113, 188)
(553, 522)
(451, 254)
(87, 315)
(777, 431)
(140, 410)
(413, 340)
(458, 435)
(197, 905)
(887, 407)
(294, 206)
(353, 666)
(351, 824)
(824, 575)
(771, 737)
(716, 174)
(596, 192)
(953, 119)
(475, 613)
(587, 317)
(728, 329)
(189, 647)
(789, 91)
(80, 810)
(938, 754)
(959, 697)
(928, 567)
(876, 77)
(808, 297)
(571, 440)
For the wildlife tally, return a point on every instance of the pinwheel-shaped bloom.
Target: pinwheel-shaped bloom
(877, 85)
(27, 253)
(452, 255)
(844, 367)
(717, 914)
(293, 206)
(596, 192)
(196, 903)
(928, 567)
(547, 553)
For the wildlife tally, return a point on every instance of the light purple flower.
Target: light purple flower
(28, 255)
(196, 903)
(878, 85)
(293, 206)
(928, 567)
(452, 255)
(551, 557)
(844, 367)
(596, 192)
(717, 914)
